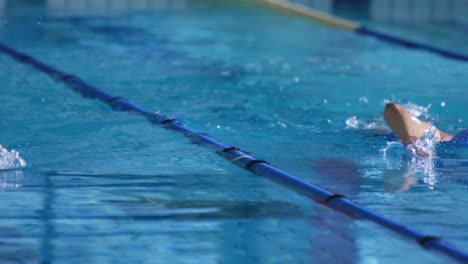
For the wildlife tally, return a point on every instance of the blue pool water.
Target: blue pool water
(81, 183)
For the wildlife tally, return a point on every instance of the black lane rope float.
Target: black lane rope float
(242, 158)
(344, 24)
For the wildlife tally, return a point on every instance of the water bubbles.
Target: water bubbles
(442, 104)
(10, 159)
(430, 179)
(416, 159)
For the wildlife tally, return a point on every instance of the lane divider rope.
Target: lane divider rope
(344, 24)
(243, 159)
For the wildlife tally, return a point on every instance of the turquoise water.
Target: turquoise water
(91, 185)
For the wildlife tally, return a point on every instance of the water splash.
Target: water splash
(426, 167)
(416, 159)
(10, 159)
(393, 151)
(352, 122)
(417, 110)
(376, 126)
(424, 154)
(425, 146)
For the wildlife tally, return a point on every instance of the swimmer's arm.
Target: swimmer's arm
(407, 127)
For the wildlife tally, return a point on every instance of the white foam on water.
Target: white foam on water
(10, 159)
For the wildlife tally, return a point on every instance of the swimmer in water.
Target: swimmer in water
(408, 127)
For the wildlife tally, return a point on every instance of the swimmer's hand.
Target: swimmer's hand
(424, 147)
(420, 151)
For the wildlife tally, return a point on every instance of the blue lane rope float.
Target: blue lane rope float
(241, 158)
(340, 23)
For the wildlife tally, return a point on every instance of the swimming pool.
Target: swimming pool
(102, 186)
